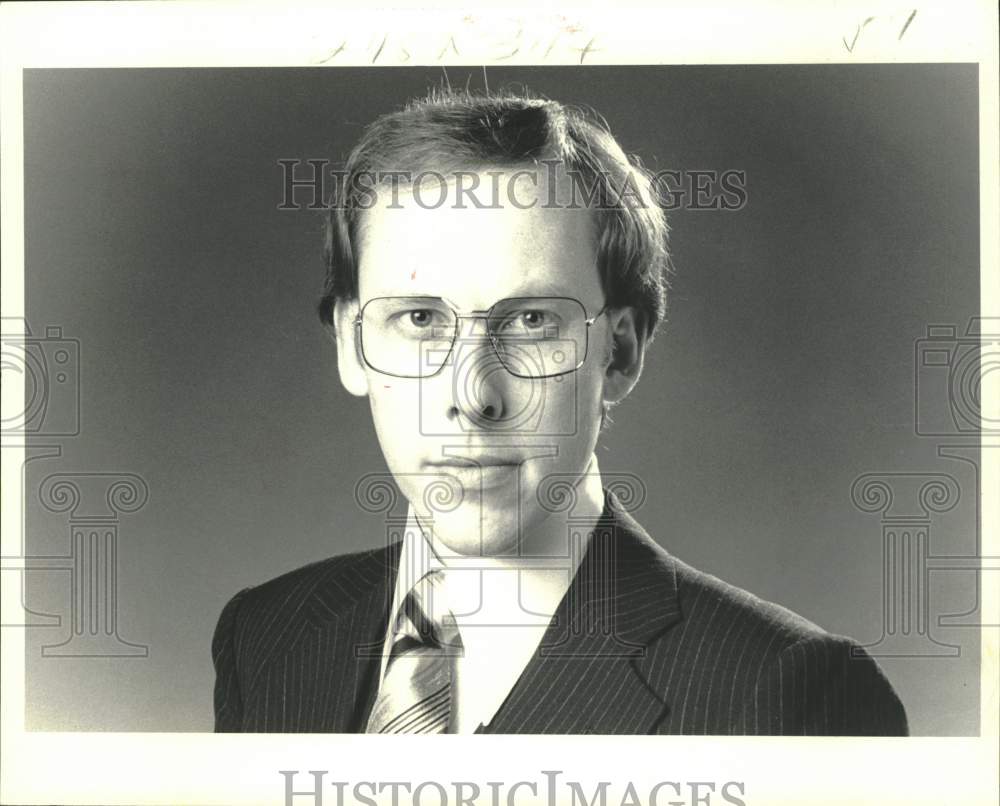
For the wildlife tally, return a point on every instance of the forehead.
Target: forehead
(434, 239)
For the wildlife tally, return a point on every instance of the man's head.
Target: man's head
(495, 269)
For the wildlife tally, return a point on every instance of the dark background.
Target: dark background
(786, 370)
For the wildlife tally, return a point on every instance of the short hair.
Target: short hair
(451, 130)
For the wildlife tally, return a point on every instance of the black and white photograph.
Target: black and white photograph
(484, 384)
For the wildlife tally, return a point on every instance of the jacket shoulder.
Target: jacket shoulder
(260, 621)
(747, 665)
(705, 596)
(306, 577)
(714, 609)
(268, 614)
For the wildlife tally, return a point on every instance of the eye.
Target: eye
(421, 318)
(526, 320)
(416, 321)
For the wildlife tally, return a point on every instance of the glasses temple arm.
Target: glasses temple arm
(597, 315)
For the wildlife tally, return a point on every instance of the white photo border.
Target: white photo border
(208, 768)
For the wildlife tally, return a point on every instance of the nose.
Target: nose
(478, 378)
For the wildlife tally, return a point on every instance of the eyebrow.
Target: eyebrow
(543, 290)
(529, 289)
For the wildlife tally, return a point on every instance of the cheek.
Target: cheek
(573, 397)
(394, 416)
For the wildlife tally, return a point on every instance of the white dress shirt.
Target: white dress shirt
(502, 605)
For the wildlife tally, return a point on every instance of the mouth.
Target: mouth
(480, 472)
(474, 461)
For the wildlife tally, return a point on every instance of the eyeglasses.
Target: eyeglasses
(533, 337)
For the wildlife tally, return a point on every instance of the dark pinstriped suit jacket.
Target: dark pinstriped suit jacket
(641, 643)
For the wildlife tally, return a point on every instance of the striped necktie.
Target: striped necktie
(416, 693)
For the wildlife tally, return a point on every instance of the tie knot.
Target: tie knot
(424, 619)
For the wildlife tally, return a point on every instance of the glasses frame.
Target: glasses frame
(478, 314)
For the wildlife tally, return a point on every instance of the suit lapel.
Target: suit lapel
(588, 675)
(589, 672)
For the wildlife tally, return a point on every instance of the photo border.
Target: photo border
(209, 768)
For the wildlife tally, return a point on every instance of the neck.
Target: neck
(520, 589)
(574, 511)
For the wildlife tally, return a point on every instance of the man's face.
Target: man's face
(470, 445)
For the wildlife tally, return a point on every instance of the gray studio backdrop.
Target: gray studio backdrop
(209, 405)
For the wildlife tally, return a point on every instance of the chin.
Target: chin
(479, 530)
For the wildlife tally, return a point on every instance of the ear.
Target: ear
(350, 363)
(628, 349)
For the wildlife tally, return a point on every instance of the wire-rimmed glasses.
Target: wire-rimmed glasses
(533, 337)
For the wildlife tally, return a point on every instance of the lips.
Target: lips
(472, 455)
(478, 473)
(478, 461)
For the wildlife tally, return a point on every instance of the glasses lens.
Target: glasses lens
(538, 337)
(410, 337)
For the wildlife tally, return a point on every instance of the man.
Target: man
(496, 271)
